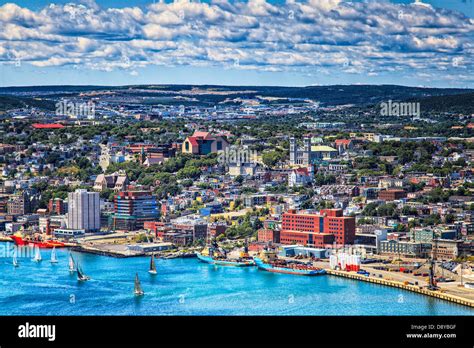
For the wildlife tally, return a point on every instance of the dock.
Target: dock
(396, 284)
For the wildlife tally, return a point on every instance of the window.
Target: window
(186, 145)
(219, 145)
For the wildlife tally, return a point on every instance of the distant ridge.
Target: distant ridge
(331, 95)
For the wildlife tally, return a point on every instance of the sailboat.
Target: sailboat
(72, 265)
(152, 265)
(15, 260)
(138, 288)
(54, 258)
(37, 257)
(80, 274)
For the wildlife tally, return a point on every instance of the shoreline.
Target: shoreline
(396, 284)
(443, 295)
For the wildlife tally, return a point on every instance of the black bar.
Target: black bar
(347, 330)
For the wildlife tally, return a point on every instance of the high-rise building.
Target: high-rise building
(317, 229)
(132, 209)
(84, 210)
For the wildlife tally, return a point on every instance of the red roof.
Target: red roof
(47, 126)
(343, 141)
(193, 141)
(203, 135)
(302, 171)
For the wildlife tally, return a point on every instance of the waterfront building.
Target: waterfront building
(445, 249)
(132, 209)
(84, 211)
(268, 235)
(317, 229)
(150, 247)
(216, 229)
(153, 226)
(66, 233)
(48, 224)
(405, 249)
(194, 227)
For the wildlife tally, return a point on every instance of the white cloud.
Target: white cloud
(334, 35)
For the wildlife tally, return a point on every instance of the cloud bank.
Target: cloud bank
(314, 36)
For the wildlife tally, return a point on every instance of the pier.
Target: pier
(414, 288)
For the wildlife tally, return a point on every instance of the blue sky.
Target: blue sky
(256, 42)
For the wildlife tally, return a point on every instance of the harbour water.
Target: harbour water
(189, 287)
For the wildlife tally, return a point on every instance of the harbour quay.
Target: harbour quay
(464, 298)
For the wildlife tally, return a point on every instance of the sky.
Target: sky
(254, 42)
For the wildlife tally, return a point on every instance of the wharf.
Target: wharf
(118, 251)
(414, 288)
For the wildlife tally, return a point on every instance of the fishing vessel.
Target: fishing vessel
(72, 265)
(268, 261)
(37, 257)
(80, 274)
(152, 265)
(54, 258)
(138, 291)
(43, 244)
(217, 256)
(15, 260)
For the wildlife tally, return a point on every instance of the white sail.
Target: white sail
(54, 258)
(138, 288)
(80, 274)
(38, 255)
(72, 267)
(152, 265)
(15, 261)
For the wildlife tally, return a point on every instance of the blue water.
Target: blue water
(189, 287)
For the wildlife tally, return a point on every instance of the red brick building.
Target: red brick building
(327, 227)
(267, 235)
(392, 195)
(215, 230)
(153, 226)
(57, 206)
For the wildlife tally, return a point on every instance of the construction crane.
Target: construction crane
(431, 261)
(432, 285)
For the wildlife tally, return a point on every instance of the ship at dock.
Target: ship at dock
(216, 255)
(37, 242)
(269, 261)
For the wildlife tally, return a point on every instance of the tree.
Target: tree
(272, 157)
(188, 172)
(239, 179)
(449, 218)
